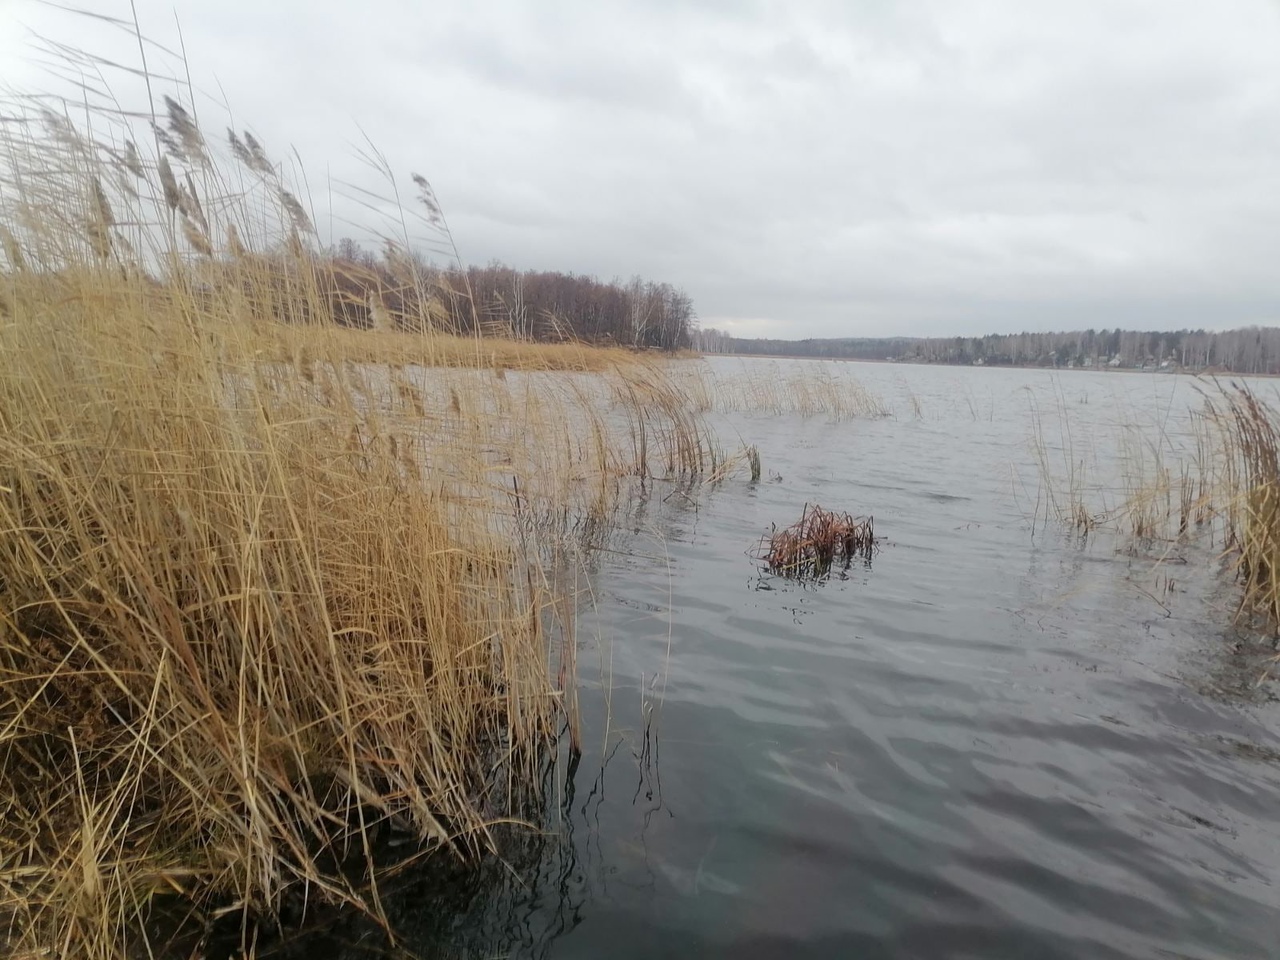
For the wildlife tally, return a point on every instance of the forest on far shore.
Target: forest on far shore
(1250, 350)
(526, 304)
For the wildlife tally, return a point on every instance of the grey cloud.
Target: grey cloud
(809, 168)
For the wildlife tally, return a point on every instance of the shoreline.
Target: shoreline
(1183, 371)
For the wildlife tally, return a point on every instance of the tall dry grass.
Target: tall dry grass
(438, 349)
(242, 629)
(1250, 431)
(804, 389)
(254, 613)
(1217, 483)
(270, 589)
(1137, 479)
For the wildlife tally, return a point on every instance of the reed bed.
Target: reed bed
(1251, 438)
(820, 539)
(253, 614)
(441, 350)
(1216, 483)
(667, 433)
(806, 390)
(1137, 480)
(238, 636)
(1169, 490)
(270, 589)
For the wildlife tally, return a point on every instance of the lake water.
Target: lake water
(995, 740)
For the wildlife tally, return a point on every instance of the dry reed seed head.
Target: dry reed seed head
(191, 140)
(98, 223)
(190, 203)
(132, 161)
(295, 247)
(101, 205)
(169, 146)
(169, 184)
(238, 149)
(259, 160)
(427, 197)
(199, 242)
(61, 130)
(297, 216)
(250, 152)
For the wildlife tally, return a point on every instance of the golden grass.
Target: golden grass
(255, 611)
(240, 631)
(1251, 438)
(1135, 480)
(748, 456)
(438, 349)
(269, 587)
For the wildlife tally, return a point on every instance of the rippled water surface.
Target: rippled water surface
(994, 741)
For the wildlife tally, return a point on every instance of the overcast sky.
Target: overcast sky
(869, 167)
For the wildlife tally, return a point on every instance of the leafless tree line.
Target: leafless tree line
(1247, 350)
(405, 291)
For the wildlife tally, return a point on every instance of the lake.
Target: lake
(998, 738)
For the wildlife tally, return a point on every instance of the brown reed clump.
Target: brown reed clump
(810, 547)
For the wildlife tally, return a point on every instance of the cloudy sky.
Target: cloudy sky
(841, 168)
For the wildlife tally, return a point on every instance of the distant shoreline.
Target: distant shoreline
(1184, 371)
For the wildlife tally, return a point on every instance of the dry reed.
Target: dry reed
(820, 538)
(748, 456)
(241, 630)
(804, 389)
(1216, 483)
(1251, 429)
(269, 588)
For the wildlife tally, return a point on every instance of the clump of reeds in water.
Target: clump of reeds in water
(748, 456)
(1252, 435)
(1147, 485)
(819, 540)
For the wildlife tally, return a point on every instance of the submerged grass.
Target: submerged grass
(1218, 483)
(1149, 486)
